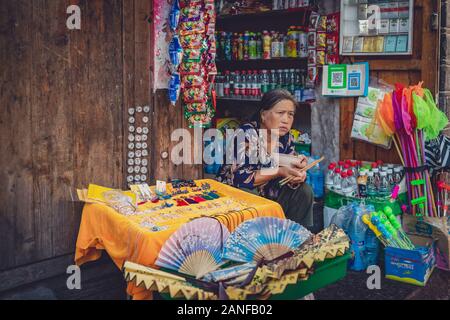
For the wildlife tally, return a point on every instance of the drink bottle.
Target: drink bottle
(237, 84)
(259, 45)
(252, 46)
(337, 180)
(241, 47)
(357, 233)
(317, 181)
(330, 176)
(383, 190)
(265, 84)
(371, 188)
(226, 84)
(353, 182)
(228, 50)
(376, 175)
(372, 248)
(267, 45)
(246, 46)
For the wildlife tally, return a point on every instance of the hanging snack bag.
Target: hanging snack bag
(174, 17)
(191, 80)
(195, 40)
(192, 55)
(320, 57)
(312, 43)
(196, 107)
(200, 120)
(333, 23)
(175, 52)
(174, 88)
(313, 21)
(194, 94)
(312, 57)
(194, 68)
(321, 41)
(190, 3)
(191, 27)
(322, 24)
(311, 76)
(193, 13)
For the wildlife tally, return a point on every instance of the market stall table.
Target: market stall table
(131, 238)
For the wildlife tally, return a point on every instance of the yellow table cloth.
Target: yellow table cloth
(125, 238)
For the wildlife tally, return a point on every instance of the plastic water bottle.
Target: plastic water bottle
(372, 248)
(397, 175)
(357, 233)
(353, 182)
(377, 180)
(346, 186)
(390, 177)
(337, 180)
(371, 187)
(383, 189)
(317, 180)
(330, 176)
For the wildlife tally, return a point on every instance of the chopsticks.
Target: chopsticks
(309, 166)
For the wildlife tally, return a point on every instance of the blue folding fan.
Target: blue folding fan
(196, 248)
(264, 238)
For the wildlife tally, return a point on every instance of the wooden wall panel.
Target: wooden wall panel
(16, 193)
(61, 120)
(422, 65)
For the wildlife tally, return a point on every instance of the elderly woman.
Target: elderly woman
(276, 115)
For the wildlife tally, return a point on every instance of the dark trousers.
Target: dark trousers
(297, 204)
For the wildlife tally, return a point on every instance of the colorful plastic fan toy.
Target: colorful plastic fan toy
(196, 248)
(265, 239)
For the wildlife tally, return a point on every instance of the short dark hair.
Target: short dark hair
(270, 99)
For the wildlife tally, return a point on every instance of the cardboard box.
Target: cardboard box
(411, 266)
(384, 26)
(438, 229)
(403, 25)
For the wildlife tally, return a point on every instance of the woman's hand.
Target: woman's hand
(300, 163)
(299, 176)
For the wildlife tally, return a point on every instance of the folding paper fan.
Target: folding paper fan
(264, 238)
(196, 248)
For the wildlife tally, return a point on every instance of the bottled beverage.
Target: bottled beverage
(249, 84)
(291, 51)
(292, 3)
(383, 189)
(281, 44)
(337, 180)
(303, 43)
(346, 187)
(317, 180)
(397, 175)
(228, 50)
(220, 86)
(275, 48)
(246, 46)
(390, 177)
(329, 177)
(353, 182)
(273, 80)
(362, 184)
(259, 45)
(265, 82)
(372, 248)
(237, 84)
(231, 81)
(257, 84)
(223, 37)
(292, 84)
(280, 83)
(226, 84)
(341, 164)
(377, 180)
(241, 47)
(235, 47)
(252, 46)
(267, 45)
(371, 187)
(357, 233)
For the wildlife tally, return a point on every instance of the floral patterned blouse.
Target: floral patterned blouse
(241, 174)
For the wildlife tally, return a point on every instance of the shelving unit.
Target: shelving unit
(277, 20)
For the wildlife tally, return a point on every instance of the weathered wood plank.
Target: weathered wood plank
(17, 238)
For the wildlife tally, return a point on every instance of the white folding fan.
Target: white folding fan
(264, 238)
(196, 248)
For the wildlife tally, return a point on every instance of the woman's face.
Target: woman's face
(280, 117)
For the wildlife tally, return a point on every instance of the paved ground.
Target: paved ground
(354, 285)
